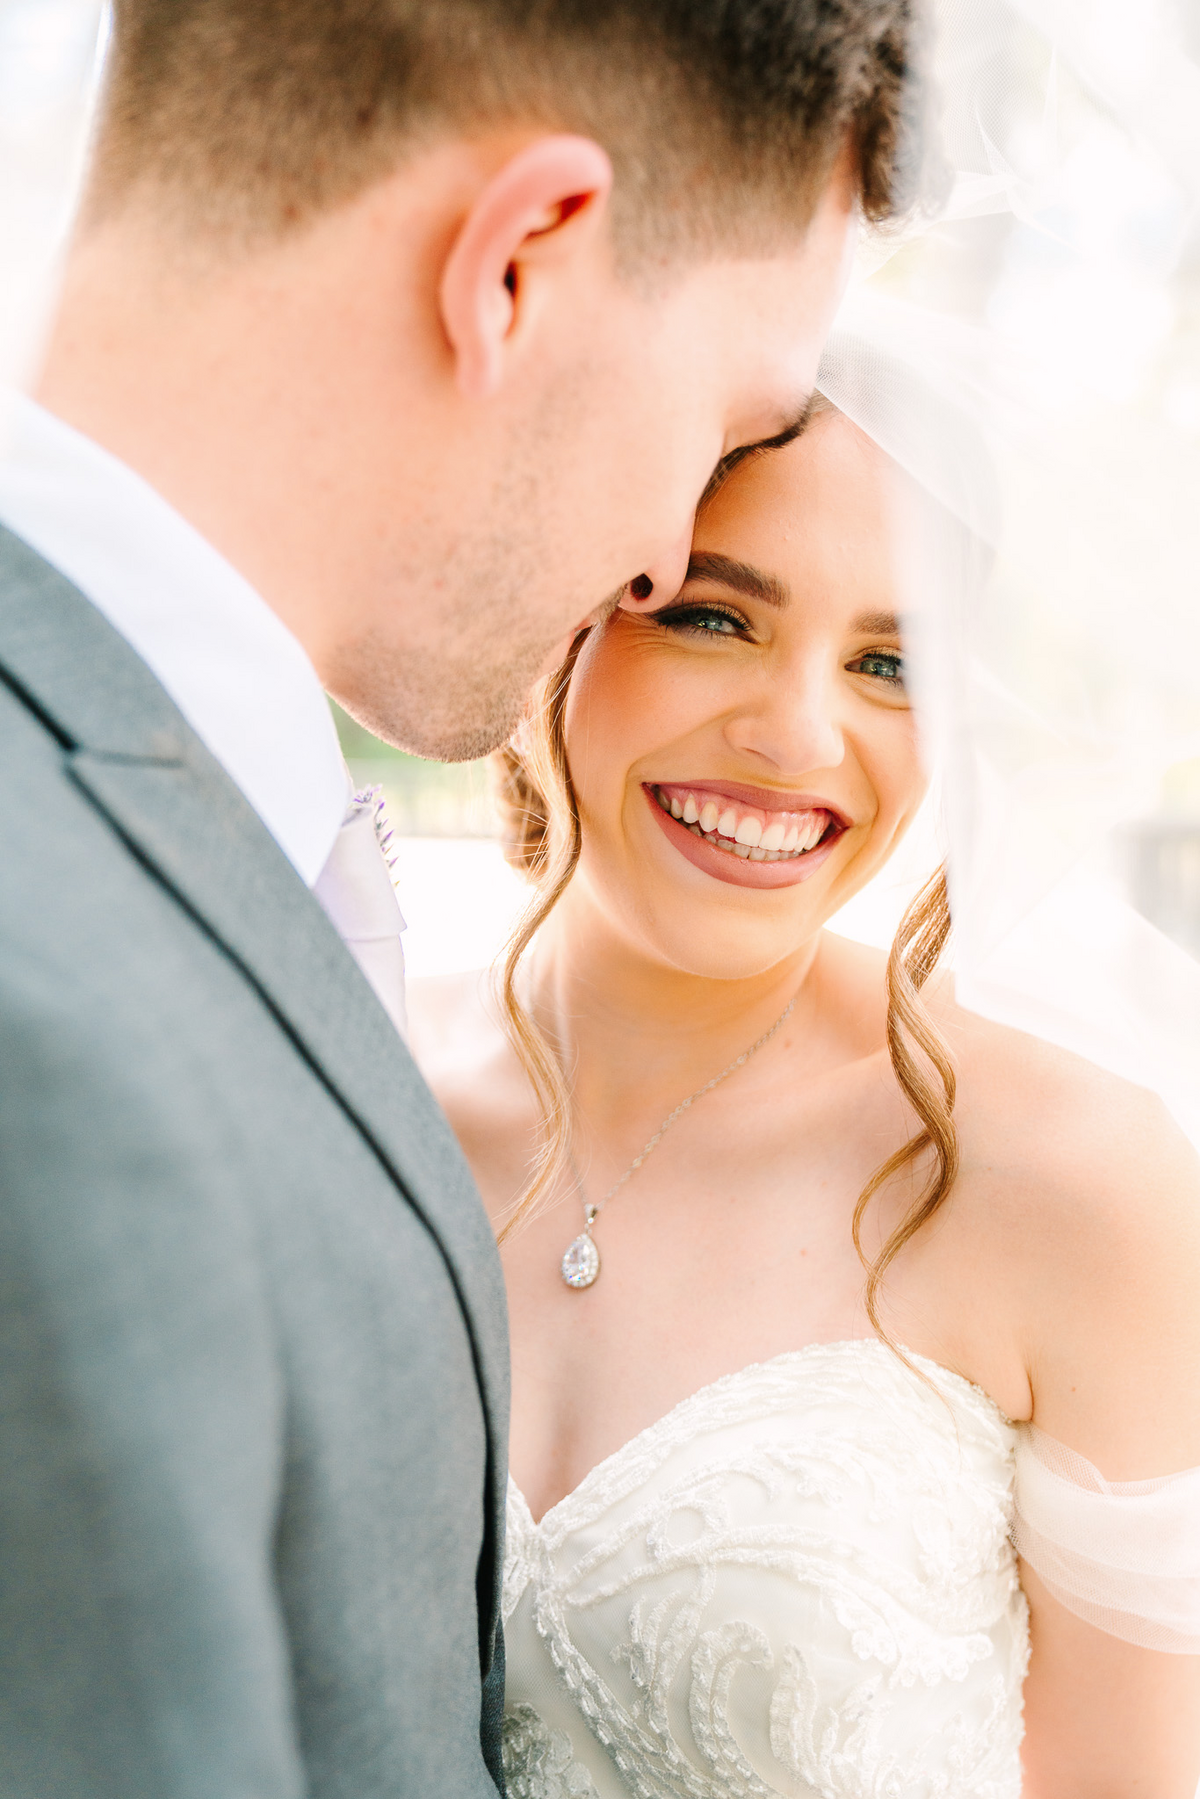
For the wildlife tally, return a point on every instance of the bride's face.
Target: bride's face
(745, 757)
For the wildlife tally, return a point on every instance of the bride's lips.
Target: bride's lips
(746, 836)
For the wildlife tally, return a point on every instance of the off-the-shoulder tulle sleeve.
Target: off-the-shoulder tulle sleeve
(1124, 1555)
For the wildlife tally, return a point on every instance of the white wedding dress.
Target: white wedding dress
(800, 1581)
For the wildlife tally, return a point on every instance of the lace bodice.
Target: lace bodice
(797, 1582)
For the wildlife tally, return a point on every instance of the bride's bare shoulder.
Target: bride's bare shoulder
(1076, 1217)
(1047, 1114)
(1075, 1177)
(1054, 1142)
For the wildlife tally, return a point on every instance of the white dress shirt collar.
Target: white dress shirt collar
(240, 678)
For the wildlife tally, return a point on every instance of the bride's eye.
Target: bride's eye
(880, 665)
(702, 620)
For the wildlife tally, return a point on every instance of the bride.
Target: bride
(812, 1269)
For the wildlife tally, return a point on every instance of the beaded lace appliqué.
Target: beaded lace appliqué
(798, 1582)
(538, 1763)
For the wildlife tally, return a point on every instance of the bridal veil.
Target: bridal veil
(1028, 356)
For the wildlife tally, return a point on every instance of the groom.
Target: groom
(397, 339)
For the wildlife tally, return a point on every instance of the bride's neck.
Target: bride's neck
(628, 1023)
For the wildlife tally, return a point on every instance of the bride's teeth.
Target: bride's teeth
(747, 836)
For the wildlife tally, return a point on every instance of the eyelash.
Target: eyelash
(683, 619)
(881, 655)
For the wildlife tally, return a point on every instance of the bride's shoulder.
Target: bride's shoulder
(1070, 1161)
(1078, 1199)
(1055, 1110)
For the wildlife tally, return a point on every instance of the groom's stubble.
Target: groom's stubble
(475, 608)
(480, 695)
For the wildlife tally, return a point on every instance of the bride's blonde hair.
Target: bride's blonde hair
(542, 838)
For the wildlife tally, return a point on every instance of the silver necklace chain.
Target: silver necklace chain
(581, 1262)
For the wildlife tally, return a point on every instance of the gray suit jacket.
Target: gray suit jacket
(253, 1375)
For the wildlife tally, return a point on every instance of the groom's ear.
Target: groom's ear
(543, 207)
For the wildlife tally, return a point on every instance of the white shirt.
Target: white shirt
(242, 681)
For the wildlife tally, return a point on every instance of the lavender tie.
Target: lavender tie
(355, 888)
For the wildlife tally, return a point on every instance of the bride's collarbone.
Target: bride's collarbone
(714, 1264)
(734, 1242)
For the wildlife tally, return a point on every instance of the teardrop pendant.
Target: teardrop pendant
(581, 1263)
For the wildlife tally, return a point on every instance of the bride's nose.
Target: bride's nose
(791, 723)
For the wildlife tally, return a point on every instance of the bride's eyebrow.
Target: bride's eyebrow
(742, 577)
(876, 624)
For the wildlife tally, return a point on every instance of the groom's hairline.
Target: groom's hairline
(223, 125)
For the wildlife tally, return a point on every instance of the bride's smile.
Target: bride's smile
(773, 839)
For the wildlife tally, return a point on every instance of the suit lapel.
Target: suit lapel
(131, 750)
(207, 845)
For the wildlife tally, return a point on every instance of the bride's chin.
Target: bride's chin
(713, 942)
(652, 898)
(690, 906)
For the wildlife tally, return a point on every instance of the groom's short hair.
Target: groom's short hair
(722, 117)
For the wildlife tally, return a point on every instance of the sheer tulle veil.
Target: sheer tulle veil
(1029, 357)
